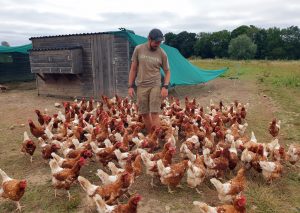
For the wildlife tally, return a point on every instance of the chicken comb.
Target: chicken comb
(125, 174)
(172, 149)
(30, 142)
(241, 200)
(81, 161)
(88, 153)
(138, 197)
(54, 145)
(118, 144)
(23, 184)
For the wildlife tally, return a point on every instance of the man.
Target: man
(147, 59)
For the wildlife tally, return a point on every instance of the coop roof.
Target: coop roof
(60, 48)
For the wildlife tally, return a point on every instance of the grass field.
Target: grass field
(271, 87)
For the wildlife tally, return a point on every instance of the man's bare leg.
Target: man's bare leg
(147, 121)
(155, 119)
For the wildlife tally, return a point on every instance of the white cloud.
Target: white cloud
(20, 20)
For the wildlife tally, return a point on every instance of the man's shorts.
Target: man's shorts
(149, 99)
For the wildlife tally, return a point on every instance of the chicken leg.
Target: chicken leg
(69, 195)
(19, 207)
(152, 182)
(169, 190)
(198, 191)
(180, 186)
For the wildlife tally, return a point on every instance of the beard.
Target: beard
(153, 48)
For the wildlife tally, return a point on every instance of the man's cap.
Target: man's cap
(156, 35)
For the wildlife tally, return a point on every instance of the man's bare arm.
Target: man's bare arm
(167, 77)
(132, 73)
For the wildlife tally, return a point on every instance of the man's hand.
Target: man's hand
(164, 92)
(131, 92)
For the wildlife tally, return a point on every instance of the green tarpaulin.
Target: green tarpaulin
(19, 49)
(182, 71)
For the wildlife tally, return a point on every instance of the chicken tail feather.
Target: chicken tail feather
(203, 207)
(160, 167)
(5, 177)
(217, 184)
(101, 206)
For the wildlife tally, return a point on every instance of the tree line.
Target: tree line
(244, 42)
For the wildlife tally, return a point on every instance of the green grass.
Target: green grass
(278, 73)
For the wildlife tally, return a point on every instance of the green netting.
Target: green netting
(182, 71)
(14, 64)
(15, 67)
(19, 49)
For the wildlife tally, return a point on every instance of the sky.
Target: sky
(22, 19)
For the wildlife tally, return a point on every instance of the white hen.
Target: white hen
(106, 178)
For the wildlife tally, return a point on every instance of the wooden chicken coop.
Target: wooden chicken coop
(81, 65)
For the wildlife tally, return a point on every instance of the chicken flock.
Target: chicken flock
(209, 141)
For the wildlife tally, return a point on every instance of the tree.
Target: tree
(258, 36)
(242, 47)
(291, 39)
(203, 46)
(260, 39)
(271, 43)
(5, 43)
(185, 43)
(240, 31)
(220, 41)
(170, 39)
(275, 44)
